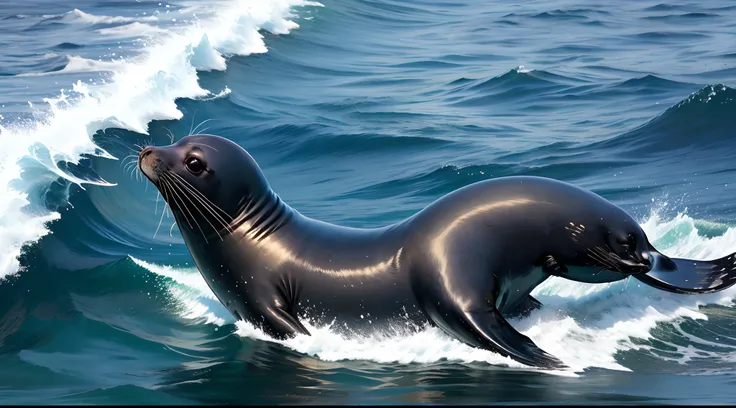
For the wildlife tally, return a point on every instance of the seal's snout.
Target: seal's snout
(149, 163)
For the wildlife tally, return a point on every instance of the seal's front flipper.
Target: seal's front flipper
(489, 330)
(280, 324)
(523, 307)
(550, 265)
(689, 276)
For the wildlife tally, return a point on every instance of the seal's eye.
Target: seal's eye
(195, 165)
(629, 243)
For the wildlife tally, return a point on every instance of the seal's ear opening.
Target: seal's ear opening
(689, 276)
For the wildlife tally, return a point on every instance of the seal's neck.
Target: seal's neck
(266, 225)
(255, 218)
(259, 217)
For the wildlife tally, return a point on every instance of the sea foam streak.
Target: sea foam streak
(584, 325)
(77, 16)
(140, 90)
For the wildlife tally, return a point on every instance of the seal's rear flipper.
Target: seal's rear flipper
(688, 276)
(489, 330)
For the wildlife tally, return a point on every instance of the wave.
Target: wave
(134, 29)
(77, 16)
(518, 78)
(68, 46)
(684, 17)
(76, 64)
(535, 87)
(139, 91)
(522, 79)
(701, 119)
(650, 83)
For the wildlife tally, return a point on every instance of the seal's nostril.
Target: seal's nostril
(142, 156)
(145, 152)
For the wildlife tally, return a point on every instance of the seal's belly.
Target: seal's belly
(358, 302)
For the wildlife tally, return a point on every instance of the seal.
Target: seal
(465, 263)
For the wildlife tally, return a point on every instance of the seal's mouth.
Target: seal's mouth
(632, 264)
(634, 267)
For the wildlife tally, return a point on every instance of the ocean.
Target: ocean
(360, 113)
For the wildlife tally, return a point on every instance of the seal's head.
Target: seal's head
(599, 243)
(208, 181)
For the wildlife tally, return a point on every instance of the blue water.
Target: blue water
(359, 113)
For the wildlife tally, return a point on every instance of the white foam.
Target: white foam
(225, 92)
(191, 289)
(134, 29)
(77, 16)
(193, 309)
(583, 325)
(139, 90)
(240, 35)
(77, 64)
(189, 277)
(205, 58)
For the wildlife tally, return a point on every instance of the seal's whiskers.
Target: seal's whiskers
(607, 257)
(161, 220)
(184, 194)
(172, 195)
(599, 255)
(208, 205)
(171, 134)
(211, 207)
(180, 203)
(192, 131)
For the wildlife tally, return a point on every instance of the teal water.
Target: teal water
(360, 113)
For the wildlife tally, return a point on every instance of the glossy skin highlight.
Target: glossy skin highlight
(464, 263)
